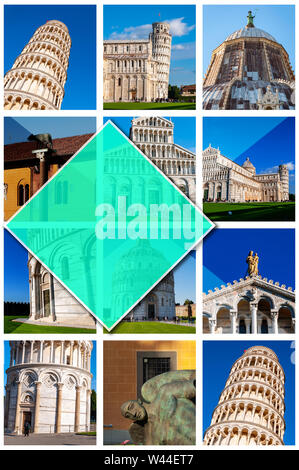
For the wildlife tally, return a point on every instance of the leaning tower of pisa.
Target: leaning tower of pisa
(284, 179)
(48, 386)
(161, 43)
(38, 75)
(250, 410)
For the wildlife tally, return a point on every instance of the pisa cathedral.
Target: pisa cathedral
(37, 78)
(225, 180)
(48, 386)
(138, 70)
(154, 136)
(251, 407)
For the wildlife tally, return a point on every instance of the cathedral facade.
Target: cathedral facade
(138, 70)
(154, 136)
(249, 70)
(225, 180)
(253, 304)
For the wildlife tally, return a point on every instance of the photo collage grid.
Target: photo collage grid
(202, 94)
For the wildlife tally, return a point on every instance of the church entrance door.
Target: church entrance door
(151, 311)
(46, 302)
(26, 418)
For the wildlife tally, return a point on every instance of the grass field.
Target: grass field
(89, 433)
(137, 106)
(257, 211)
(17, 327)
(151, 327)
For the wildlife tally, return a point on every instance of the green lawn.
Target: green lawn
(257, 211)
(130, 105)
(150, 327)
(17, 327)
(89, 433)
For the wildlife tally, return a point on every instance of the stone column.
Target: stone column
(31, 351)
(212, 325)
(274, 317)
(77, 409)
(51, 350)
(71, 352)
(7, 401)
(87, 419)
(233, 316)
(59, 407)
(37, 406)
(23, 352)
(41, 352)
(247, 325)
(17, 429)
(253, 310)
(12, 349)
(62, 353)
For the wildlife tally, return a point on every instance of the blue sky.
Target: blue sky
(93, 368)
(80, 87)
(16, 286)
(267, 141)
(135, 22)
(220, 355)
(184, 131)
(222, 20)
(18, 129)
(225, 252)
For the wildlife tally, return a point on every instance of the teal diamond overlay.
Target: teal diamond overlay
(103, 212)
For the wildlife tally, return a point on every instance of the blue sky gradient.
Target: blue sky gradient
(225, 252)
(267, 141)
(222, 20)
(93, 368)
(18, 129)
(80, 87)
(218, 358)
(135, 22)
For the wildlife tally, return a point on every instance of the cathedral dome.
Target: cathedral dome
(250, 33)
(248, 165)
(249, 70)
(144, 258)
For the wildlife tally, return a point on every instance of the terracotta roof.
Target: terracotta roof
(63, 146)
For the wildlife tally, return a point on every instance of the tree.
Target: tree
(173, 92)
(188, 302)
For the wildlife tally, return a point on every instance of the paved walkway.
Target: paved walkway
(50, 439)
(44, 323)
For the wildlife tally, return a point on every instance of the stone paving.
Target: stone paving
(50, 439)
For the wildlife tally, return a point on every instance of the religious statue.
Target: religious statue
(43, 140)
(252, 262)
(250, 19)
(166, 413)
(256, 264)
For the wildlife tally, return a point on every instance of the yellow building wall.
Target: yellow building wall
(13, 178)
(120, 372)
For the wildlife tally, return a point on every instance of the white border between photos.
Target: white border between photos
(99, 114)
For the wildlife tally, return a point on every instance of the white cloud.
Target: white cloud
(177, 28)
(274, 169)
(178, 47)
